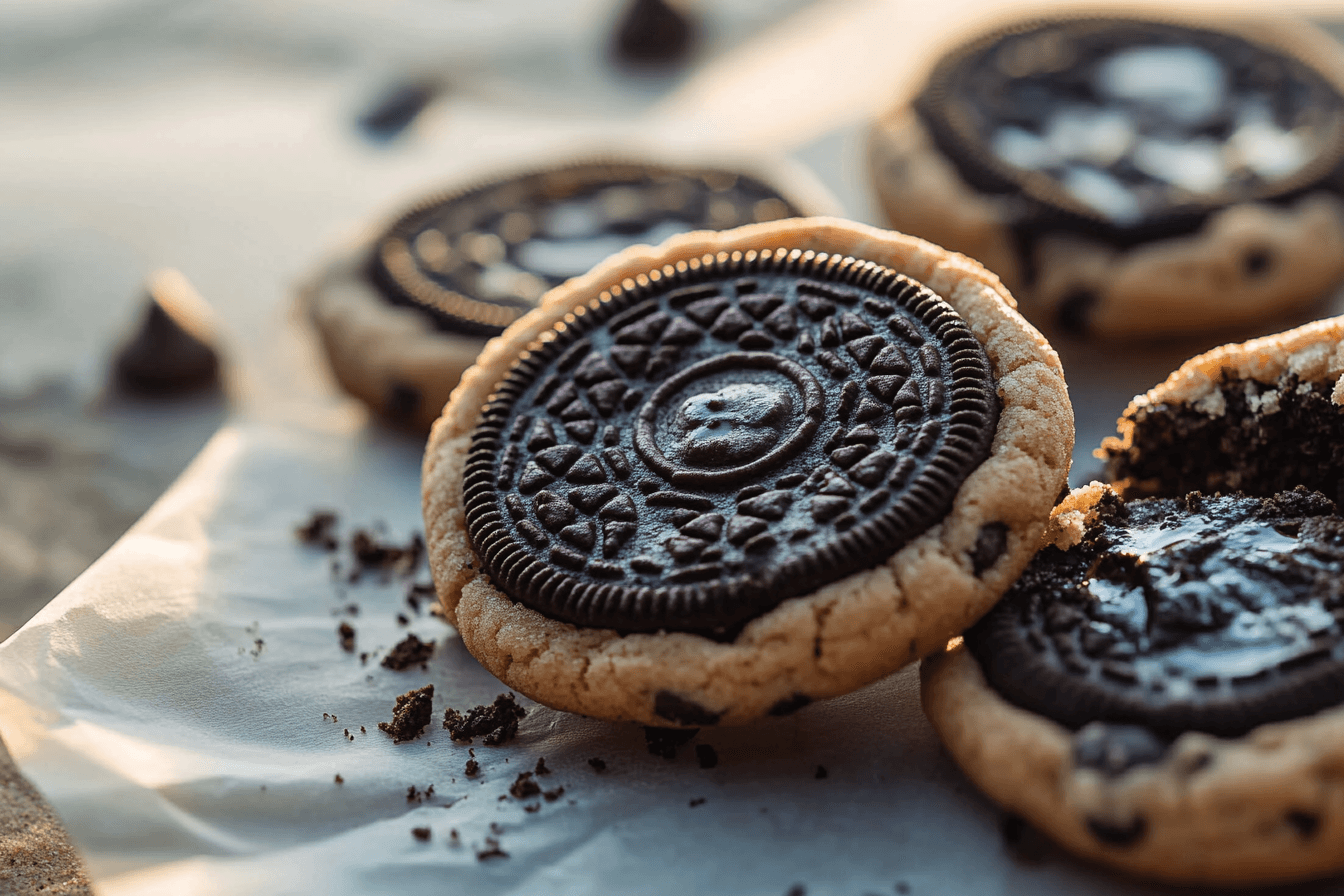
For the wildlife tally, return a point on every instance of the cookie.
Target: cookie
(1258, 417)
(403, 313)
(1126, 176)
(1161, 691)
(741, 472)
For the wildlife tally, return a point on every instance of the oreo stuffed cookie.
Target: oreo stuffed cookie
(403, 312)
(1257, 417)
(1126, 176)
(744, 471)
(1163, 689)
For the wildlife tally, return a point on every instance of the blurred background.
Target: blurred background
(240, 142)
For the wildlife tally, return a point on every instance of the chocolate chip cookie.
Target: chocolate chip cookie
(403, 313)
(743, 471)
(1162, 689)
(1128, 176)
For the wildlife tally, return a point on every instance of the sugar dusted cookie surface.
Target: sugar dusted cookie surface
(773, 524)
(1127, 176)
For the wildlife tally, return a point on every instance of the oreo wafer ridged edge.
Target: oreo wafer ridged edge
(817, 645)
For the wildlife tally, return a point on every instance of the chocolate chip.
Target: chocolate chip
(989, 546)
(1305, 823)
(789, 705)
(1115, 749)
(675, 708)
(1118, 834)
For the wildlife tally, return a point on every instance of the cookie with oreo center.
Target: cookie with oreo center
(1162, 689)
(1258, 417)
(404, 311)
(1129, 176)
(833, 447)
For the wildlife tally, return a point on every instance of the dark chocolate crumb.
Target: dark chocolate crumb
(1023, 842)
(411, 715)
(421, 834)
(541, 768)
(491, 851)
(653, 32)
(1305, 823)
(473, 768)
(698, 801)
(403, 619)
(599, 765)
(524, 787)
(361, 730)
(346, 631)
(552, 795)
(821, 773)
(665, 741)
(1113, 834)
(364, 658)
(532, 807)
(318, 531)
(902, 887)
(498, 722)
(796, 890)
(454, 838)
(339, 779)
(706, 755)
(371, 555)
(410, 652)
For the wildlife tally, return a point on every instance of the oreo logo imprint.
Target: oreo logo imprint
(1207, 614)
(689, 450)
(476, 261)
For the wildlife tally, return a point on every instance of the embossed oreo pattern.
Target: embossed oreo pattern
(1212, 614)
(476, 261)
(691, 449)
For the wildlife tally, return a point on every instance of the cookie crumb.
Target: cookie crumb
(698, 801)
(541, 768)
(706, 755)
(411, 651)
(797, 890)
(524, 787)
(339, 779)
(491, 851)
(821, 773)
(552, 795)
(599, 765)
(665, 741)
(473, 768)
(318, 531)
(498, 722)
(371, 555)
(902, 887)
(411, 715)
(346, 632)
(421, 834)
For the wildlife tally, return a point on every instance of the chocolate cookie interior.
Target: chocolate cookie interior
(1207, 614)
(1254, 437)
(477, 260)
(1132, 129)
(688, 451)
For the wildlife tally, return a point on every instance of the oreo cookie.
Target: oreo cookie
(404, 312)
(474, 261)
(1212, 614)
(1132, 129)
(1091, 160)
(704, 441)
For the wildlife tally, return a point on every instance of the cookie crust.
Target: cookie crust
(1261, 808)
(395, 360)
(1245, 262)
(834, 640)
